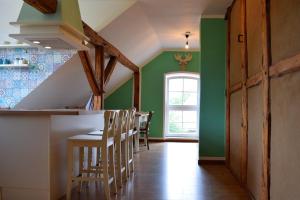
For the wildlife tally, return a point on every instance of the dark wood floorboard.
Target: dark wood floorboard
(169, 171)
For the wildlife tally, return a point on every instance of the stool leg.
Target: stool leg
(147, 139)
(112, 167)
(119, 164)
(81, 166)
(90, 154)
(131, 153)
(126, 152)
(104, 155)
(70, 171)
(124, 159)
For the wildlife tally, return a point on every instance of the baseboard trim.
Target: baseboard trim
(187, 140)
(211, 160)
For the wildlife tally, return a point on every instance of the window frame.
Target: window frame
(176, 75)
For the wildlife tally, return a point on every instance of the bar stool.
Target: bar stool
(121, 145)
(106, 170)
(131, 134)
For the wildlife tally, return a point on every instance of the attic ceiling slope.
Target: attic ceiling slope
(149, 26)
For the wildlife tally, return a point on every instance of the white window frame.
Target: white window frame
(173, 75)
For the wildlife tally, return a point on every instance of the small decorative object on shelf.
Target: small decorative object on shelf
(18, 62)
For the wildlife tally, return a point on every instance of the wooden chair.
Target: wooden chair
(121, 145)
(106, 171)
(131, 134)
(144, 130)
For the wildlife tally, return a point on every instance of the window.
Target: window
(181, 114)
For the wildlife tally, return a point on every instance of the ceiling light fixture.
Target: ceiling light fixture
(36, 42)
(48, 47)
(187, 35)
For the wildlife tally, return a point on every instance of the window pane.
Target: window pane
(190, 85)
(189, 116)
(175, 116)
(175, 127)
(175, 98)
(190, 98)
(176, 84)
(189, 127)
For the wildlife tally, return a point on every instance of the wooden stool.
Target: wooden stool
(121, 145)
(106, 171)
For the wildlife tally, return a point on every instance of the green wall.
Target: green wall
(121, 98)
(213, 79)
(153, 86)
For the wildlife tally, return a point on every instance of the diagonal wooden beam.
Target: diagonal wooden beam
(84, 57)
(44, 6)
(97, 40)
(109, 69)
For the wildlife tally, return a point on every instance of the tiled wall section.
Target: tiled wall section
(16, 83)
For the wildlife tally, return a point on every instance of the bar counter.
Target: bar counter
(33, 146)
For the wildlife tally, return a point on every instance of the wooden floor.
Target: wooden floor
(169, 171)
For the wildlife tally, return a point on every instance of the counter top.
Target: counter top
(48, 112)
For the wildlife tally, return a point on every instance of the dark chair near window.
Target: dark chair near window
(144, 129)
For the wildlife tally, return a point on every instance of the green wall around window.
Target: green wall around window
(153, 86)
(213, 80)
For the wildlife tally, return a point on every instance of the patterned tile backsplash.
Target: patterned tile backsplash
(16, 83)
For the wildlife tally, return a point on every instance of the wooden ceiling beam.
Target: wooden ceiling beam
(84, 57)
(97, 40)
(110, 69)
(44, 6)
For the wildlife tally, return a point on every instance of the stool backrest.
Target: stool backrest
(122, 122)
(149, 120)
(131, 118)
(109, 124)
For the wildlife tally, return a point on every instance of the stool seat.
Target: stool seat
(96, 133)
(132, 132)
(90, 140)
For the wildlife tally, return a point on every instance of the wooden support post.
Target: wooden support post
(99, 73)
(110, 69)
(136, 98)
(84, 57)
(266, 61)
(228, 89)
(44, 6)
(244, 68)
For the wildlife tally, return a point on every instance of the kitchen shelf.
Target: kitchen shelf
(14, 65)
(12, 46)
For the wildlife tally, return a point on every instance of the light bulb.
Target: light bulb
(48, 47)
(187, 45)
(36, 42)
